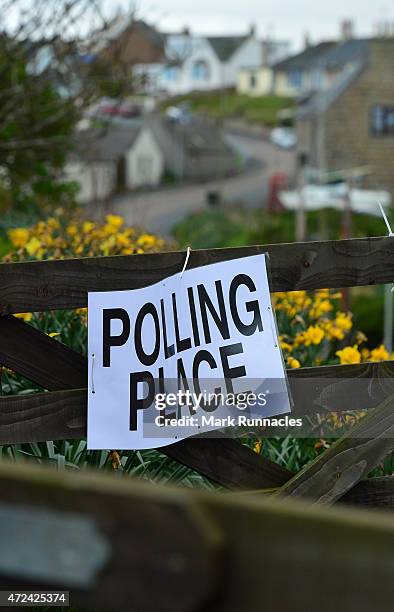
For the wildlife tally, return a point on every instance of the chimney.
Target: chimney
(307, 40)
(347, 29)
(186, 31)
(252, 30)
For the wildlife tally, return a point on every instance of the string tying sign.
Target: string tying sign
(193, 353)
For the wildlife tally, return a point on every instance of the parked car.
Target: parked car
(284, 137)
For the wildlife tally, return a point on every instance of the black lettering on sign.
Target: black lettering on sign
(169, 351)
(199, 358)
(140, 403)
(230, 373)
(193, 316)
(145, 358)
(110, 314)
(181, 344)
(243, 328)
(219, 318)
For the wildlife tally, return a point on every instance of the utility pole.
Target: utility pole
(388, 318)
(300, 233)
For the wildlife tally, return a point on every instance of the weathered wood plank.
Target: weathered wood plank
(37, 417)
(348, 460)
(339, 388)
(140, 539)
(40, 358)
(315, 390)
(228, 463)
(53, 365)
(368, 493)
(48, 285)
(203, 550)
(372, 493)
(62, 415)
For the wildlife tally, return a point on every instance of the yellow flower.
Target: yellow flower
(108, 244)
(19, 236)
(285, 346)
(343, 321)
(379, 354)
(53, 334)
(258, 445)
(53, 223)
(87, 227)
(25, 316)
(115, 220)
(350, 354)
(33, 246)
(146, 240)
(313, 335)
(72, 230)
(293, 363)
(123, 239)
(320, 307)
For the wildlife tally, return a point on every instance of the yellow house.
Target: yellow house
(255, 81)
(291, 77)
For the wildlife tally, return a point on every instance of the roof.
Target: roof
(345, 52)
(198, 134)
(104, 144)
(306, 59)
(121, 26)
(321, 101)
(226, 46)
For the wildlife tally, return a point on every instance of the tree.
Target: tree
(45, 85)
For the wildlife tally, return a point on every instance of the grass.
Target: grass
(229, 104)
(236, 226)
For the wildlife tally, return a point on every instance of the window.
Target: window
(295, 79)
(200, 70)
(252, 81)
(170, 73)
(382, 120)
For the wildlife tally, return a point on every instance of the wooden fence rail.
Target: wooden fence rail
(49, 285)
(153, 548)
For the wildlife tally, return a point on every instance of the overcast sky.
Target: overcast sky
(285, 18)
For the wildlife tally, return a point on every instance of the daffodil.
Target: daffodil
(349, 354)
(379, 354)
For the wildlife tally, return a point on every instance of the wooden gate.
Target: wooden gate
(337, 474)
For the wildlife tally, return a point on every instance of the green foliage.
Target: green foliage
(208, 229)
(229, 104)
(211, 229)
(36, 124)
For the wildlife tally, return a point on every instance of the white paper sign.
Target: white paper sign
(209, 333)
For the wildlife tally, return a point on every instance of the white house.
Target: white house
(114, 158)
(200, 62)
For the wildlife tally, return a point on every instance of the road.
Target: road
(160, 210)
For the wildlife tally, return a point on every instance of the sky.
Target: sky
(285, 19)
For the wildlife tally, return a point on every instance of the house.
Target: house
(195, 149)
(294, 76)
(128, 41)
(257, 81)
(200, 62)
(112, 159)
(351, 124)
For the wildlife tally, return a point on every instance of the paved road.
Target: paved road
(160, 210)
